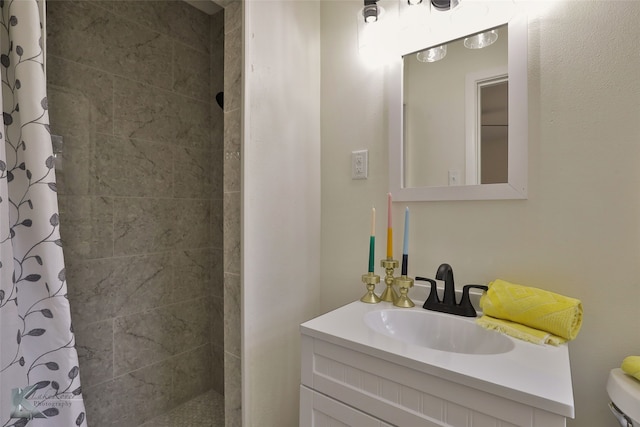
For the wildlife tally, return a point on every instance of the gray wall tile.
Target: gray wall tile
(216, 285)
(92, 289)
(216, 311)
(146, 282)
(219, 364)
(231, 218)
(232, 170)
(217, 371)
(217, 151)
(95, 351)
(145, 112)
(143, 394)
(105, 288)
(233, 70)
(144, 338)
(217, 175)
(176, 19)
(232, 317)
(233, 16)
(194, 227)
(192, 373)
(217, 50)
(191, 75)
(100, 403)
(192, 178)
(77, 174)
(194, 327)
(217, 222)
(231, 204)
(129, 167)
(86, 226)
(232, 233)
(89, 35)
(232, 391)
(144, 225)
(192, 274)
(79, 96)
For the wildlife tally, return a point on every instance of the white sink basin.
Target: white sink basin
(444, 332)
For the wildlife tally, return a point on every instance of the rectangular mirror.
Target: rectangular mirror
(458, 125)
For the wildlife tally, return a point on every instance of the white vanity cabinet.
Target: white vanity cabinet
(318, 410)
(367, 379)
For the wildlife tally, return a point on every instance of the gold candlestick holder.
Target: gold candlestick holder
(403, 283)
(371, 280)
(389, 294)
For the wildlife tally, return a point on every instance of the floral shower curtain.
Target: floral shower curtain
(39, 380)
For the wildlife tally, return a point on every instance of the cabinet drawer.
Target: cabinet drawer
(318, 410)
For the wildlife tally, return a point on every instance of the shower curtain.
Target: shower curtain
(39, 380)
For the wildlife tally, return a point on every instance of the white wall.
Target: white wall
(281, 202)
(579, 231)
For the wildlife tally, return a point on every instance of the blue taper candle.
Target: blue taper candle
(405, 247)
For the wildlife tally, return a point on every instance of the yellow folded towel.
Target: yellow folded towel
(631, 366)
(519, 331)
(554, 318)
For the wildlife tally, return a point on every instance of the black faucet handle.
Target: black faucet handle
(466, 307)
(467, 287)
(433, 295)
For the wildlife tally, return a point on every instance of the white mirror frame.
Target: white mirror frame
(516, 187)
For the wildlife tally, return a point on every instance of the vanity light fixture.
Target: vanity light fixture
(480, 40)
(370, 11)
(432, 54)
(441, 4)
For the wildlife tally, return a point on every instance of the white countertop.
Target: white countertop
(535, 375)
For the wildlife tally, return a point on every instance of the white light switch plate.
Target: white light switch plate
(454, 177)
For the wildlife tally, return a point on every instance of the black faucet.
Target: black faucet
(448, 303)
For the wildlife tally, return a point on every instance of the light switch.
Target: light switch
(454, 177)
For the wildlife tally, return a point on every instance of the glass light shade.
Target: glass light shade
(441, 5)
(370, 13)
(433, 54)
(480, 40)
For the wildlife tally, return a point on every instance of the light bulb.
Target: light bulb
(433, 54)
(480, 40)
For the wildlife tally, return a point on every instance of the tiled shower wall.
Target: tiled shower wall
(233, 63)
(131, 90)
